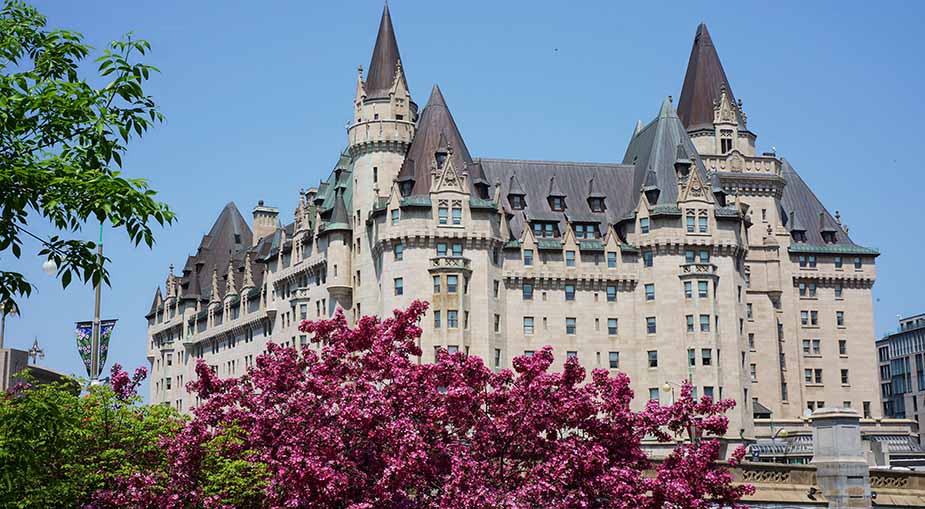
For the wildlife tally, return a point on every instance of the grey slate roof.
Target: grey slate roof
(702, 83)
(385, 59)
(613, 180)
(799, 199)
(653, 152)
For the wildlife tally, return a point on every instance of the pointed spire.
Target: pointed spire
(248, 274)
(384, 64)
(638, 128)
(158, 298)
(171, 283)
(229, 281)
(214, 297)
(667, 109)
(593, 190)
(436, 130)
(702, 84)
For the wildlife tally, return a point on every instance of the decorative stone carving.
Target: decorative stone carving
(766, 476)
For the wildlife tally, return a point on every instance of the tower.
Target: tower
(378, 138)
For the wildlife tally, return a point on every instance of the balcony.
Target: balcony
(697, 269)
(450, 264)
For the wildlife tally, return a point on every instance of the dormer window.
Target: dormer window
(557, 203)
(441, 159)
(596, 204)
(544, 229)
(517, 201)
(586, 231)
(828, 237)
(405, 188)
(725, 140)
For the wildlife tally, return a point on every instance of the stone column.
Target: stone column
(838, 455)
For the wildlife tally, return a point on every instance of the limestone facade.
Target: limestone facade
(694, 258)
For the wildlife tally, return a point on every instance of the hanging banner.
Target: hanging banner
(85, 341)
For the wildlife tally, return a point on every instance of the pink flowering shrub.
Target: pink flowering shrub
(363, 424)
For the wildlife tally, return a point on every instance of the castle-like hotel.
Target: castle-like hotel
(694, 258)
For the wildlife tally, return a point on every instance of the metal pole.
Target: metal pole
(95, 344)
(2, 325)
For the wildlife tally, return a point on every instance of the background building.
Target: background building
(695, 257)
(901, 359)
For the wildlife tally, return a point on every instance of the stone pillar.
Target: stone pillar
(838, 455)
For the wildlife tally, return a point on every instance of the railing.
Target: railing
(743, 164)
(450, 263)
(698, 268)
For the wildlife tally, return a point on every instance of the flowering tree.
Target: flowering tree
(362, 424)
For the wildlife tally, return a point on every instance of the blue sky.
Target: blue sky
(257, 96)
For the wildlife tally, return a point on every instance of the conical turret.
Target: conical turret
(703, 83)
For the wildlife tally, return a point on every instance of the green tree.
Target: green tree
(61, 140)
(58, 447)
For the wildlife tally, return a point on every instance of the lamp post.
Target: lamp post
(95, 342)
(36, 352)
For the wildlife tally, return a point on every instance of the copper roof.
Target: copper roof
(385, 59)
(702, 84)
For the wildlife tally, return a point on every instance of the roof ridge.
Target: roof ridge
(552, 162)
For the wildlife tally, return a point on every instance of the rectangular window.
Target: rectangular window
(812, 289)
(570, 326)
(395, 216)
(399, 286)
(690, 323)
(644, 225)
(457, 215)
(748, 311)
(857, 263)
(647, 258)
(612, 326)
(443, 215)
(704, 256)
(689, 256)
(527, 291)
(688, 289)
(528, 353)
(753, 371)
(457, 249)
(611, 259)
(814, 318)
(802, 287)
(706, 356)
(528, 257)
(808, 376)
(571, 354)
(804, 318)
(802, 261)
(452, 284)
(653, 394)
(496, 288)
(437, 319)
(569, 292)
(691, 357)
(441, 248)
(653, 358)
(451, 349)
(398, 250)
(843, 350)
(751, 341)
(570, 258)
(702, 224)
(840, 318)
(817, 375)
(844, 376)
(614, 360)
(708, 391)
(838, 262)
(703, 289)
(611, 293)
(838, 291)
(303, 311)
(497, 323)
(650, 324)
(811, 261)
(690, 224)
(704, 323)
(436, 284)
(452, 319)
(528, 325)
(650, 291)
(497, 357)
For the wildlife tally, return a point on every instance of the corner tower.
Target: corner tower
(379, 135)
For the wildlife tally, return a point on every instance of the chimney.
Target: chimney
(266, 221)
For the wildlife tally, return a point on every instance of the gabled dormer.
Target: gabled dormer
(555, 196)
(797, 230)
(597, 200)
(516, 196)
(827, 228)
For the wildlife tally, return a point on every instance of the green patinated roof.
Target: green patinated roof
(628, 248)
(328, 189)
(833, 249)
(512, 244)
(478, 203)
(549, 244)
(665, 210)
(591, 245)
(330, 227)
(726, 212)
(415, 201)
